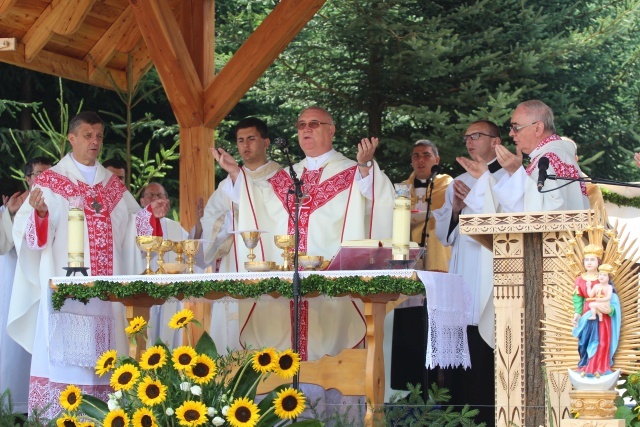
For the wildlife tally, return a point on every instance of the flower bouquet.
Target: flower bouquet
(188, 386)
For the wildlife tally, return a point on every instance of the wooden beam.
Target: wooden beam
(61, 17)
(8, 44)
(104, 49)
(255, 56)
(169, 52)
(5, 5)
(197, 26)
(196, 171)
(62, 66)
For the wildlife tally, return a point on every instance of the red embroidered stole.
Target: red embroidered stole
(317, 195)
(99, 202)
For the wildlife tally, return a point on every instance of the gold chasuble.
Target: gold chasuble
(438, 256)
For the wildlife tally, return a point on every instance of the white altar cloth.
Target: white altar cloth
(448, 302)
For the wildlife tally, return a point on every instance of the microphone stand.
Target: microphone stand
(423, 238)
(587, 180)
(298, 194)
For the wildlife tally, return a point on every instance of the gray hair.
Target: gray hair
(540, 111)
(318, 108)
(427, 143)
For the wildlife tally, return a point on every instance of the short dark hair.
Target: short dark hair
(250, 122)
(494, 130)
(28, 167)
(427, 143)
(88, 117)
(115, 162)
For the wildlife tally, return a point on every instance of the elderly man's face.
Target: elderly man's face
(87, 143)
(315, 142)
(529, 130)
(152, 192)
(422, 159)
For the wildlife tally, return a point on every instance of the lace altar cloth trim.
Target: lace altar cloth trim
(79, 340)
(448, 303)
(44, 395)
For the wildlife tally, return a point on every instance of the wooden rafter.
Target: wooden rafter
(255, 56)
(5, 5)
(170, 55)
(60, 17)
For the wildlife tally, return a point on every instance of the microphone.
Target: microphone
(435, 170)
(543, 165)
(281, 143)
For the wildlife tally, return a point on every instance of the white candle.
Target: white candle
(75, 236)
(401, 228)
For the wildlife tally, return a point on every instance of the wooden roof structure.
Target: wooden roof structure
(91, 41)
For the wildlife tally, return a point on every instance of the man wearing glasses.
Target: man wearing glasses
(534, 134)
(424, 157)
(468, 194)
(343, 200)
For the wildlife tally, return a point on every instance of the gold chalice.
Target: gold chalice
(285, 242)
(178, 248)
(191, 248)
(148, 244)
(165, 247)
(251, 239)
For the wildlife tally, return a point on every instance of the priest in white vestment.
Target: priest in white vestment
(65, 344)
(222, 246)
(534, 133)
(469, 194)
(344, 200)
(14, 360)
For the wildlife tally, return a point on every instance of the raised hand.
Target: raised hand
(460, 192)
(36, 200)
(509, 161)
(226, 162)
(160, 207)
(475, 169)
(366, 150)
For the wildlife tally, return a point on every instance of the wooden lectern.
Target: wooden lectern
(524, 246)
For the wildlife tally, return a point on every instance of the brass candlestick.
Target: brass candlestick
(165, 247)
(148, 244)
(285, 242)
(191, 248)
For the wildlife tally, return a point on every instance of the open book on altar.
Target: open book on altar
(371, 254)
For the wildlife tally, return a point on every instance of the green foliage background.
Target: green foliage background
(397, 69)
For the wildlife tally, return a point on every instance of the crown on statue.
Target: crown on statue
(593, 249)
(606, 268)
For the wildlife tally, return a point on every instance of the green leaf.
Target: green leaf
(271, 418)
(205, 345)
(93, 407)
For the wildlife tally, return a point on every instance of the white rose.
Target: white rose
(225, 410)
(118, 394)
(185, 386)
(169, 411)
(211, 411)
(112, 405)
(217, 421)
(196, 390)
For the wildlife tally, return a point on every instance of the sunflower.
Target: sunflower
(70, 398)
(203, 370)
(183, 357)
(87, 424)
(135, 326)
(265, 360)
(289, 403)
(151, 392)
(288, 364)
(192, 414)
(153, 358)
(117, 418)
(181, 319)
(67, 420)
(125, 377)
(242, 413)
(106, 362)
(144, 417)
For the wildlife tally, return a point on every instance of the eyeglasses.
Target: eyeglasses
(313, 124)
(475, 136)
(516, 129)
(155, 196)
(36, 174)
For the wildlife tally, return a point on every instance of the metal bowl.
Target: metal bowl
(310, 262)
(174, 267)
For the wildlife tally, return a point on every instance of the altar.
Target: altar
(354, 371)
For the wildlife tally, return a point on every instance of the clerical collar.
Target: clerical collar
(420, 183)
(494, 165)
(314, 163)
(88, 172)
(256, 169)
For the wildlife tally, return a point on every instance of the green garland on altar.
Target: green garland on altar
(617, 199)
(312, 285)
